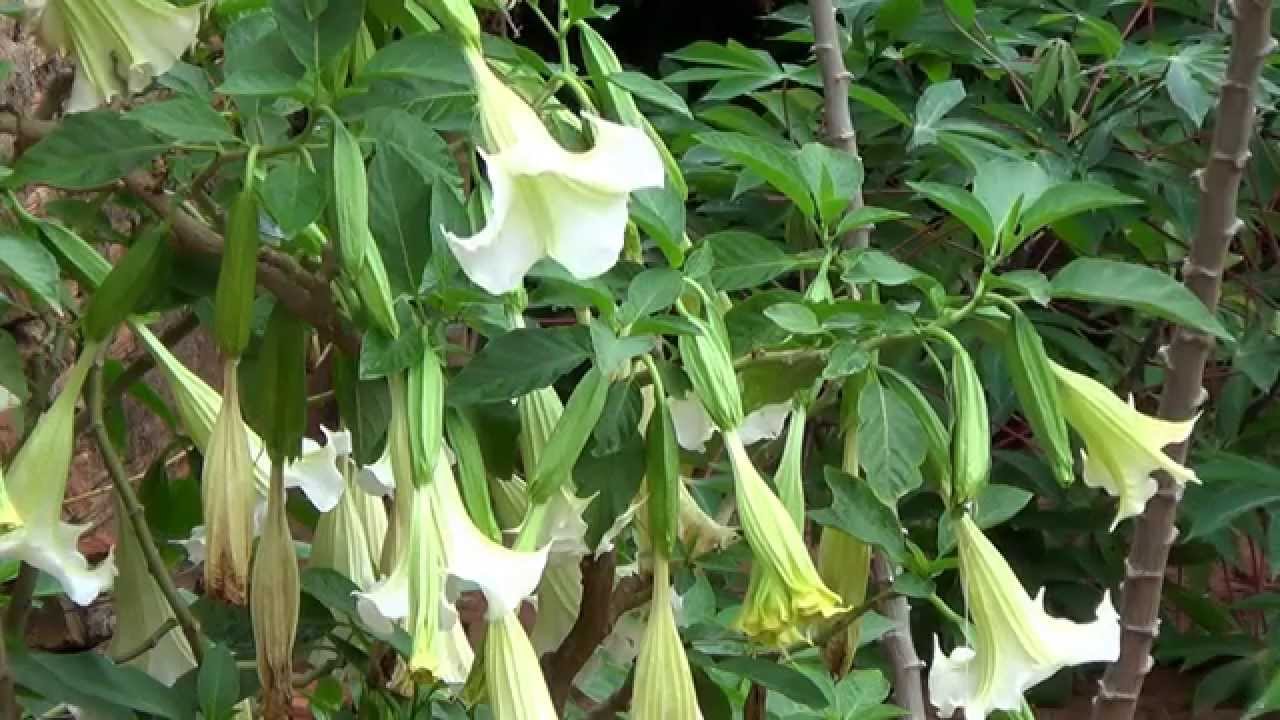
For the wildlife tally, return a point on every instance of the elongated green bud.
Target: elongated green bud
(426, 414)
(566, 443)
(971, 442)
(458, 17)
(709, 365)
(662, 474)
(126, 284)
(374, 289)
(237, 278)
(790, 475)
(279, 403)
(1037, 390)
(350, 200)
(472, 476)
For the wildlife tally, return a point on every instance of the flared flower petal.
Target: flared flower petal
(140, 610)
(547, 201)
(1122, 445)
(505, 576)
(316, 472)
(785, 596)
(378, 479)
(118, 45)
(1016, 643)
(517, 689)
(694, 426)
(664, 684)
(36, 484)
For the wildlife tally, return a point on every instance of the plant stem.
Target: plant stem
(908, 689)
(1190, 350)
(135, 518)
(152, 640)
(835, 99)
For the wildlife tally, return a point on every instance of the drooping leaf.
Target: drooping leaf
(856, 510)
(891, 443)
(519, 362)
(768, 161)
(86, 150)
(1138, 287)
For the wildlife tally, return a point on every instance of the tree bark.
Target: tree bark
(908, 688)
(1189, 351)
(835, 97)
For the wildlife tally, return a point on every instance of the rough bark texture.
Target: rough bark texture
(908, 688)
(835, 95)
(1182, 394)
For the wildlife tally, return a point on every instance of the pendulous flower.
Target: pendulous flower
(1122, 446)
(663, 685)
(349, 537)
(118, 45)
(37, 482)
(517, 689)
(229, 494)
(547, 201)
(1016, 644)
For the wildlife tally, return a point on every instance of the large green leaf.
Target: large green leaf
(745, 260)
(293, 193)
(776, 676)
(187, 119)
(857, 511)
(399, 206)
(317, 32)
(891, 443)
(25, 261)
(218, 683)
(964, 206)
(1067, 199)
(1230, 485)
(258, 60)
(934, 104)
(654, 91)
(86, 150)
(92, 682)
(770, 162)
(519, 362)
(425, 57)
(1136, 286)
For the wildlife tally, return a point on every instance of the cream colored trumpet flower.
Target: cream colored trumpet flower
(517, 689)
(37, 482)
(349, 538)
(229, 494)
(141, 609)
(547, 201)
(785, 596)
(315, 471)
(274, 603)
(663, 685)
(1122, 446)
(118, 45)
(1016, 643)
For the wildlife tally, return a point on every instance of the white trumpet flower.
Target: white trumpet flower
(547, 201)
(118, 45)
(349, 538)
(517, 689)
(1122, 446)
(1016, 643)
(36, 483)
(663, 685)
(694, 426)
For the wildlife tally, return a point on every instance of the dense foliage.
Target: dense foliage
(797, 397)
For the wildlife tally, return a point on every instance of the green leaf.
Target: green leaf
(293, 194)
(934, 104)
(1230, 485)
(613, 352)
(1138, 287)
(895, 17)
(874, 100)
(891, 443)
(92, 682)
(258, 60)
(399, 203)
(868, 217)
(833, 177)
(519, 362)
(1000, 183)
(964, 10)
(1067, 199)
(654, 91)
(856, 510)
(963, 206)
(777, 677)
(1267, 702)
(994, 505)
(745, 260)
(846, 358)
(276, 396)
(317, 32)
(186, 119)
(28, 263)
(651, 291)
(768, 161)
(218, 683)
(1185, 89)
(418, 142)
(660, 213)
(794, 318)
(86, 150)
(424, 57)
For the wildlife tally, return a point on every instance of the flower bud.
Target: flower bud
(709, 365)
(457, 17)
(426, 414)
(971, 439)
(790, 476)
(1033, 380)
(274, 603)
(663, 685)
(229, 494)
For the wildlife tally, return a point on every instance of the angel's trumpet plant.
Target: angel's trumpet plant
(229, 494)
(1016, 644)
(36, 484)
(118, 45)
(548, 201)
(664, 685)
(1122, 446)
